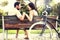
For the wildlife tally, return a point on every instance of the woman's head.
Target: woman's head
(31, 6)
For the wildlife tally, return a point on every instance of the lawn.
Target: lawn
(33, 31)
(22, 31)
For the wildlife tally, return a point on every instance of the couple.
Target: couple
(15, 11)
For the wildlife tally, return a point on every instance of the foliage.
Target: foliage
(52, 3)
(2, 12)
(24, 9)
(40, 9)
(56, 9)
(4, 3)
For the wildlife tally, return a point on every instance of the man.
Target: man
(15, 11)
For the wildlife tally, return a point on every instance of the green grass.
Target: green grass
(0, 30)
(22, 31)
(33, 31)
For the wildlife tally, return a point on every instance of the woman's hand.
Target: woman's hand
(23, 16)
(24, 13)
(29, 17)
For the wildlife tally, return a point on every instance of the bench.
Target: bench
(13, 23)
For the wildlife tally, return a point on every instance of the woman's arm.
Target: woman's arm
(30, 17)
(22, 16)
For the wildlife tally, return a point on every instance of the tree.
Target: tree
(4, 3)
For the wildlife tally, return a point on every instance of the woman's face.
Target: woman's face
(29, 8)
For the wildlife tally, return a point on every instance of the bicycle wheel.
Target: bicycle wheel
(41, 22)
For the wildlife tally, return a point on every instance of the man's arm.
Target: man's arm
(21, 17)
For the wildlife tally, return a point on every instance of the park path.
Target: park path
(33, 36)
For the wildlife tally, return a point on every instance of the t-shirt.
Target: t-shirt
(14, 11)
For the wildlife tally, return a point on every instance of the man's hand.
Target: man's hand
(24, 13)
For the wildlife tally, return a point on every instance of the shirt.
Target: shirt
(14, 11)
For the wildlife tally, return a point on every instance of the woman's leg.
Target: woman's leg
(26, 34)
(17, 33)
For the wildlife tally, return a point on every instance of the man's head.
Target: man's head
(17, 5)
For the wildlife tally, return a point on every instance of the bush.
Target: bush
(0, 22)
(1, 13)
(4, 3)
(40, 9)
(56, 9)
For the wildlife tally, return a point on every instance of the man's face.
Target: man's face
(18, 7)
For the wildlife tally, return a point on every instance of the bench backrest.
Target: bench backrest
(12, 22)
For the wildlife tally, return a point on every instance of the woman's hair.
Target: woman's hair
(32, 6)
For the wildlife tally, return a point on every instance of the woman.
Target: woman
(32, 12)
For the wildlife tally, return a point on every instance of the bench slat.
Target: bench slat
(12, 22)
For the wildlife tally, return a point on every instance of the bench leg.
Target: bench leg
(17, 34)
(3, 26)
(6, 34)
(3, 37)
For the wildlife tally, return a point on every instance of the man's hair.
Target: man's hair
(16, 3)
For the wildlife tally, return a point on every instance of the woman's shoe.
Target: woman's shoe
(26, 38)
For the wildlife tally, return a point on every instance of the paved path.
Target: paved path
(33, 37)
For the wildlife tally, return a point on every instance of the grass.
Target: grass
(33, 31)
(0, 30)
(22, 31)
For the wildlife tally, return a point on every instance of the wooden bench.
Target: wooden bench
(13, 23)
